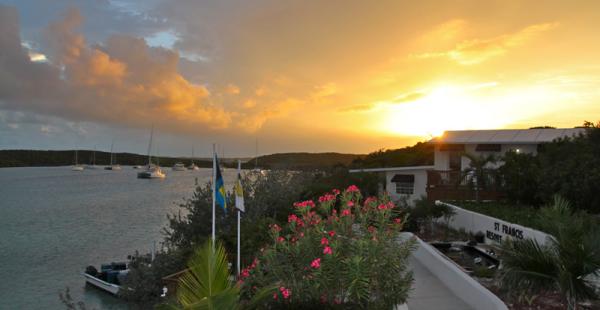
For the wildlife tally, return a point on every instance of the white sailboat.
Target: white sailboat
(77, 167)
(112, 166)
(152, 171)
(193, 166)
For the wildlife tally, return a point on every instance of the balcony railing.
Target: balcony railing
(464, 185)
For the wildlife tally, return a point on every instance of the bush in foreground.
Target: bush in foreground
(340, 253)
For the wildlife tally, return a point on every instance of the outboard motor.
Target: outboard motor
(91, 270)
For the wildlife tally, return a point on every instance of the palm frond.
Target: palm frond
(207, 284)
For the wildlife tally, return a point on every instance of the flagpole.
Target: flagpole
(238, 226)
(214, 189)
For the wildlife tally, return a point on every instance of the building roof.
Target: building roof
(409, 168)
(506, 136)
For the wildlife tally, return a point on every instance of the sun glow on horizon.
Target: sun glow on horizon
(453, 107)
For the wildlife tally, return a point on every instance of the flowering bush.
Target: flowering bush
(342, 252)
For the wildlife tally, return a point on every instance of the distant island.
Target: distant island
(419, 154)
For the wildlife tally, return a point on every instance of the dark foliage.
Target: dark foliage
(424, 212)
(420, 154)
(302, 161)
(521, 173)
(569, 167)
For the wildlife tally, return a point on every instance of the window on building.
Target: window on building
(405, 183)
(488, 148)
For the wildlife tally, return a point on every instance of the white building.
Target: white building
(440, 180)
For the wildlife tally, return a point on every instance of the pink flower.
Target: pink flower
(302, 235)
(326, 197)
(324, 241)
(397, 221)
(336, 191)
(346, 212)
(280, 239)
(352, 188)
(369, 200)
(327, 250)
(245, 273)
(292, 218)
(275, 296)
(275, 227)
(304, 204)
(254, 263)
(286, 292)
(350, 203)
(331, 233)
(382, 207)
(316, 263)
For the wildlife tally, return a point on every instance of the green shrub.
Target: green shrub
(340, 253)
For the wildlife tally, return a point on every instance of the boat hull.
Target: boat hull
(150, 175)
(103, 285)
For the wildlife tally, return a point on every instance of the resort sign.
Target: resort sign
(495, 230)
(503, 229)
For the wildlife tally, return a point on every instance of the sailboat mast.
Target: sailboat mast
(150, 146)
(75, 157)
(111, 151)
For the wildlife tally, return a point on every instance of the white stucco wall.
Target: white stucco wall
(494, 229)
(420, 184)
(460, 283)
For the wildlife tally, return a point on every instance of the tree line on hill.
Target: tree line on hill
(39, 158)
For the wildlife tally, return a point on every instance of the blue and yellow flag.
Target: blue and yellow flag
(220, 194)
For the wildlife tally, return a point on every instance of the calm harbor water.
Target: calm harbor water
(54, 222)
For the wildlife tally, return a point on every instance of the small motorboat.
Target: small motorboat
(193, 167)
(113, 167)
(178, 167)
(109, 278)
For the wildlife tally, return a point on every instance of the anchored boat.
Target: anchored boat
(152, 171)
(109, 278)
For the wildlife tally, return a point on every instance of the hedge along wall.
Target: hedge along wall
(495, 230)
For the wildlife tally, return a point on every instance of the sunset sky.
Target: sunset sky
(344, 76)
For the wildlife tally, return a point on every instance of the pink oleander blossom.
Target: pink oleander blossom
(245, 273)
(350, 203)
(331, 233)
(304, 204)
(326, 198)
(346, 212)
(370, 200)
(316, 264)
(286, 292)
(280, 239)
(324, 241)
(275, 227)
(397, 221)
(336, 191)
(352, 189)
(292, 218)
(327, 250)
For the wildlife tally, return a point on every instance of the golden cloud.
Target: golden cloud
(475, 51)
